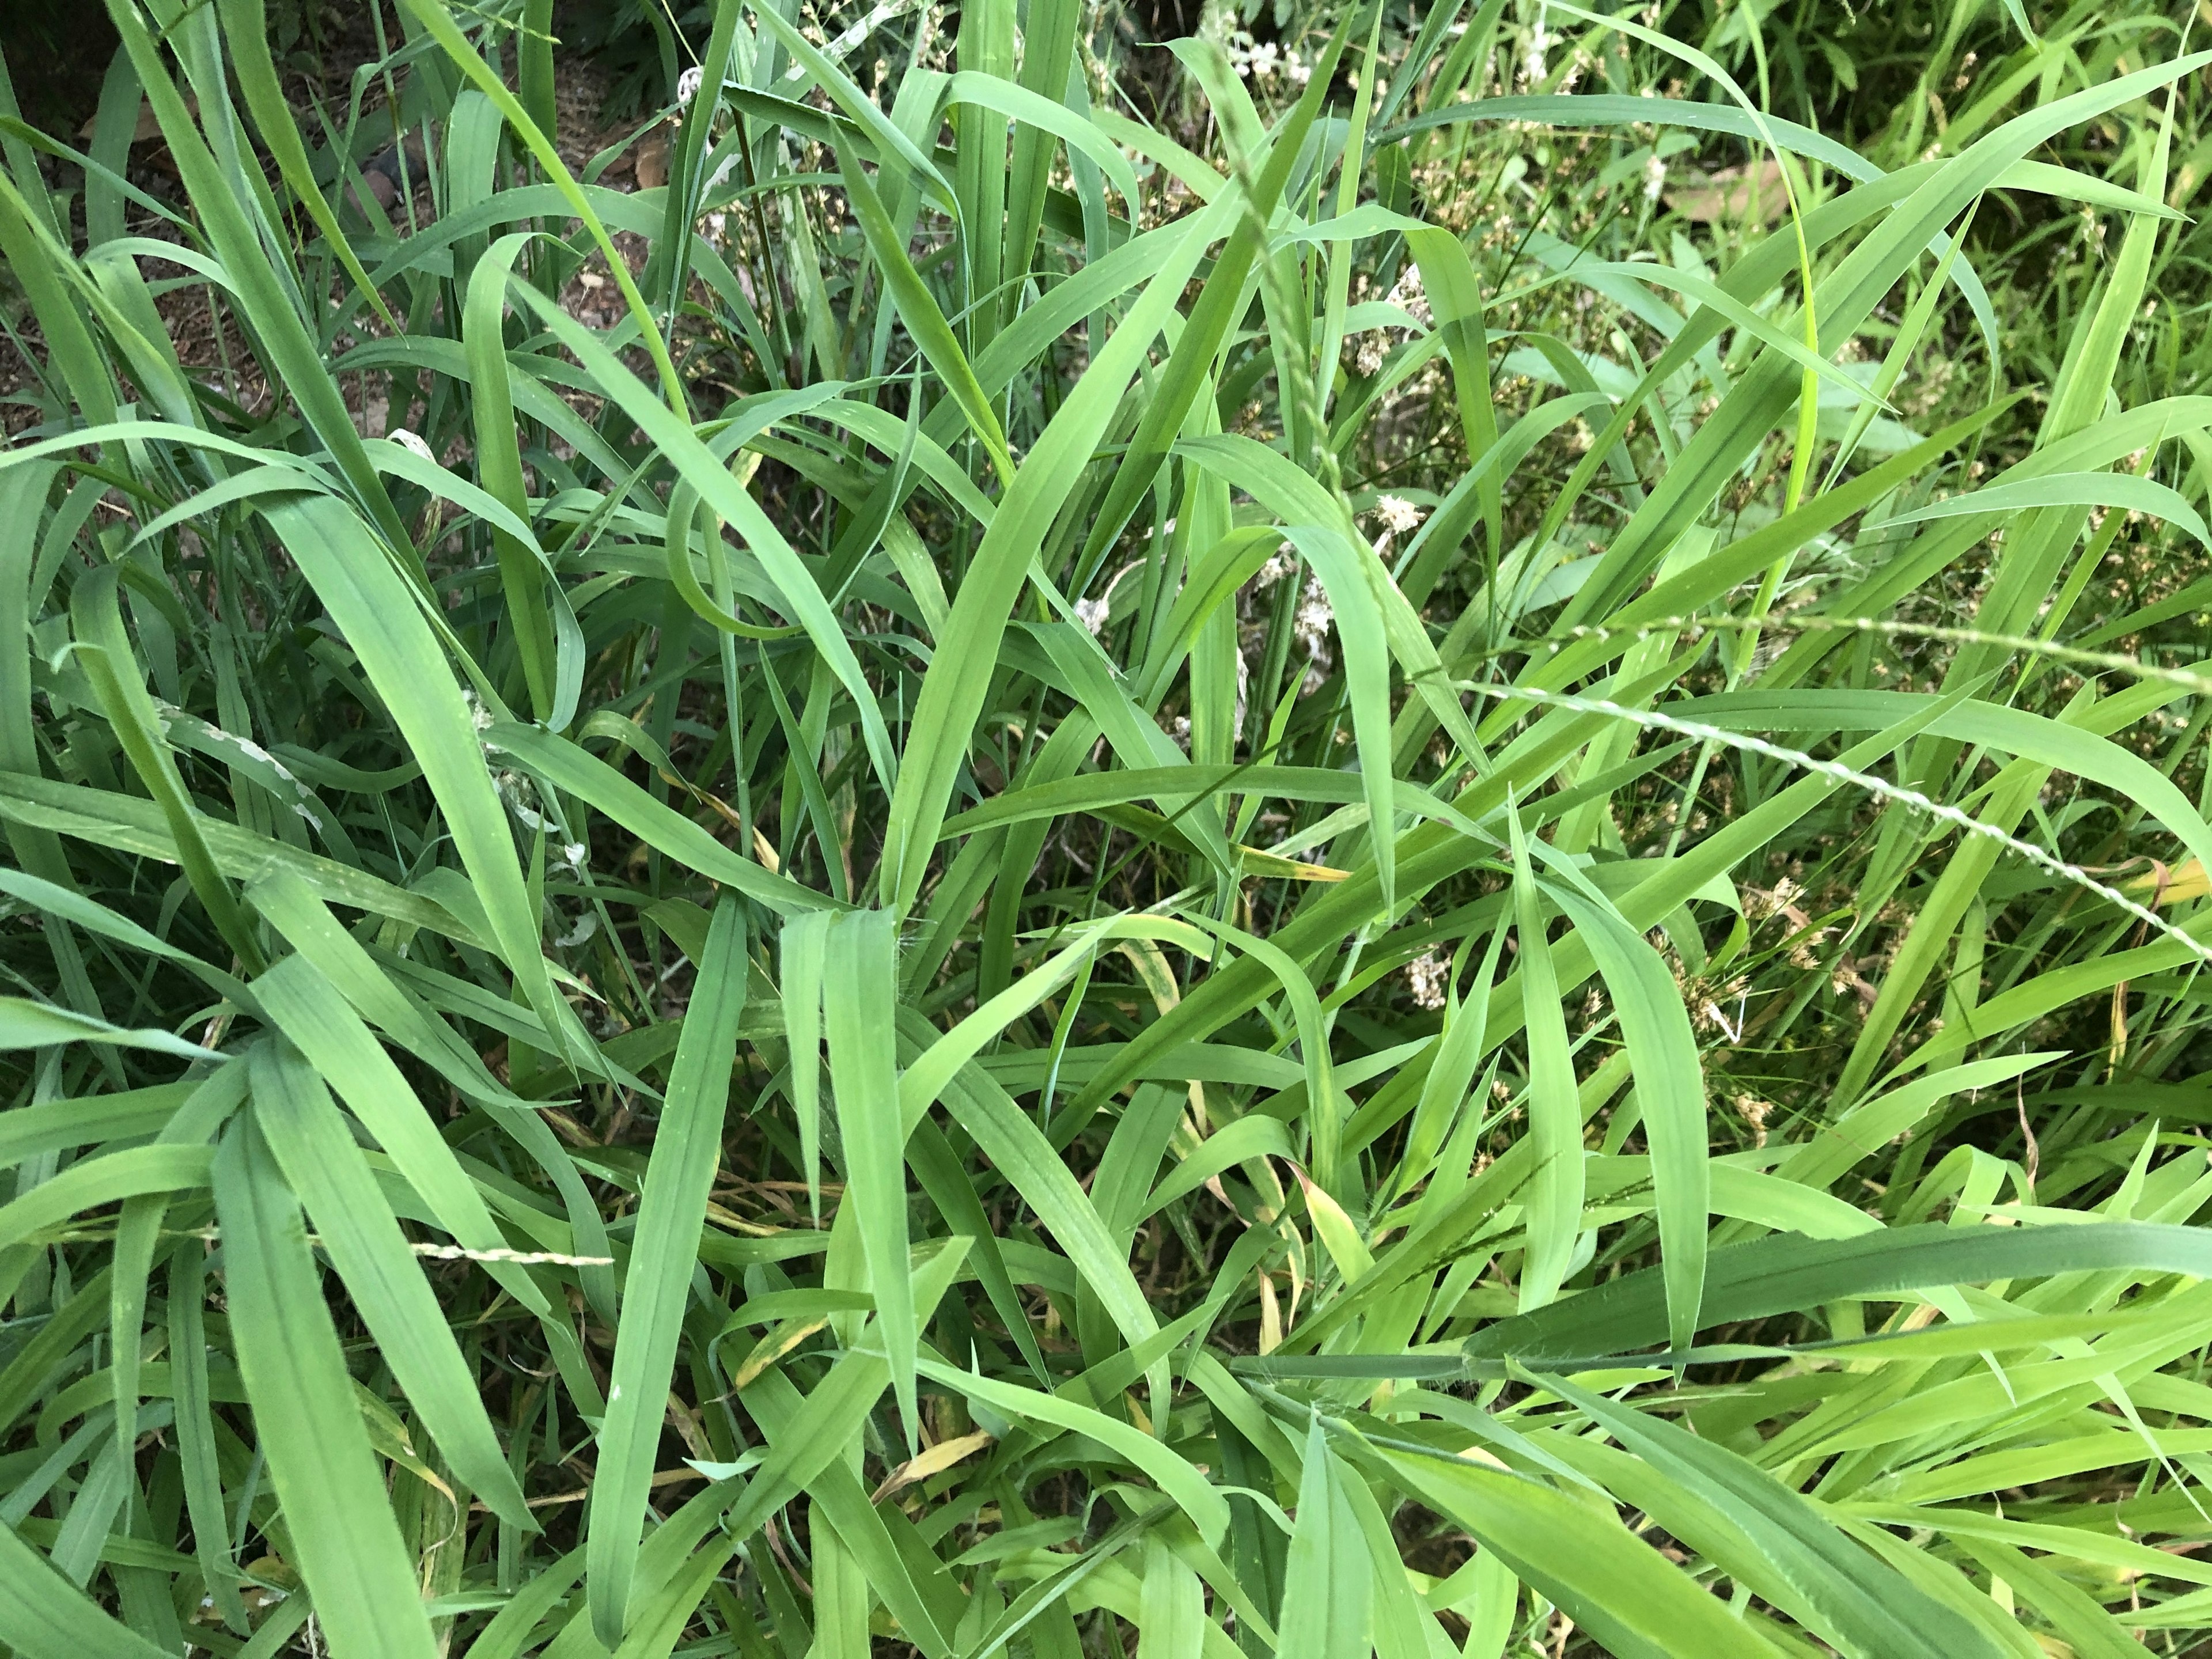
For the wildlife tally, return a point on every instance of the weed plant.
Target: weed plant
(1383, 834)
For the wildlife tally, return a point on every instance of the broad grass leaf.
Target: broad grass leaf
(953, 690)
(345, 1541)
(1018, 1151)
(317, 1021)
(28, 1024)
(1792, 1554)
(2091, 1631)
(860, 1017)
(324, 1167)
(686, 1152)
(1670, 1087)
(377, 610)
(199, 1461)
(288, 905)
(574, 771)
(499, 466)
(1554, 1206)
(804, 946)
(62, 1124)
(104, 650)
(44, 1616)
(1768, 1275)
(1171, 1617)
(107, 1179)
(1613, 1583)
(1207, 1509)
(1328, 1589)
(924, 318)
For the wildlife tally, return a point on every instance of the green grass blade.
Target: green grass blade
(359, 1233)
(1328, 1589)
(860, 976)
(686, 1152)
(308, 1424)
(1613, 1585)
(377, 610)
(1670, 1087)
(1747, 1280)
(1555, 1119)
(1800, 1557)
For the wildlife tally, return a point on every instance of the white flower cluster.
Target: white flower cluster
(1410, 296)
(1262, 61)
(1314, 618)
(1540, 42)
(1426, 976)
(1398, 514)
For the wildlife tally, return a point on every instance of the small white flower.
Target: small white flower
(1426, 976)
(1654, 177)
(1410, 296)
(1539, 44)
(1314, 618)
(1397, 513)
(688, 85)
(1301, 71)
(1262, 62)
(412, 443)
(1284, 561)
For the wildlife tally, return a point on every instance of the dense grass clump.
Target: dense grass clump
(1383, 834)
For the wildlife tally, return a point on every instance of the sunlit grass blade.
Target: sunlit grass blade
(656, 1289)
(320, 1161)
(308, 1423)
(860, 981)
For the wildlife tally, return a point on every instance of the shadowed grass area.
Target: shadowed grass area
(1382, 835)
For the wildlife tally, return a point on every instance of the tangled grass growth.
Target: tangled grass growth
(1382, 835)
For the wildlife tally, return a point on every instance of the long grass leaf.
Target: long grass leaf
(686, 1152)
